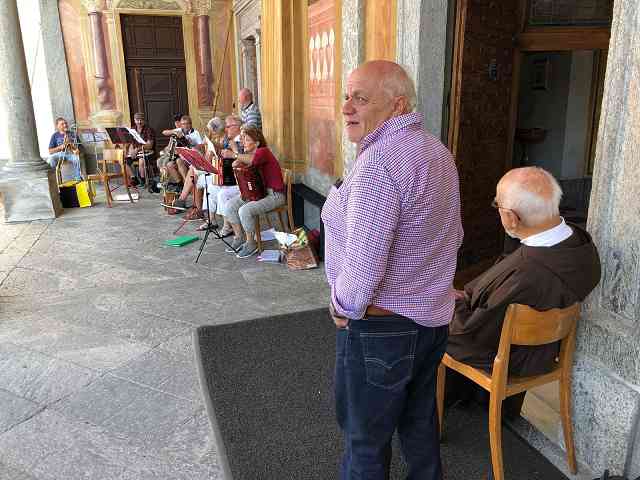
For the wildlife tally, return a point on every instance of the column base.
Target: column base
(31, 197)
(605, 417)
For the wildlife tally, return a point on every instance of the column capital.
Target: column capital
(94, 6)
(199, 7)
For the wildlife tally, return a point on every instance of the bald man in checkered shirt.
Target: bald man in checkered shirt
(393, 230)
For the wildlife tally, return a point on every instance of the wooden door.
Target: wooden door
(480, 134)
(155, 66)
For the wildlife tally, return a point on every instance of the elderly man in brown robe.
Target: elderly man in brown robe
(555, 265)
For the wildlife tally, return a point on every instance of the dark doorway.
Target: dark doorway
(155, 66)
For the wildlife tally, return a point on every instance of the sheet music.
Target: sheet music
(136, 136)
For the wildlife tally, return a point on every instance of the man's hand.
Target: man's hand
(458, 294)
(341, 322)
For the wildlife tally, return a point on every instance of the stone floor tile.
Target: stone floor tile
(149, 419)
(191, 440)
(8, 261)
(80, 345)
(153, 368)
(14, 409)
(77, 464)
(38, 377)
(182, 344)
(10, 473)
(101, 400)
(22, 282)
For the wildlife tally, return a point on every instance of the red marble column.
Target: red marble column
(103, 83)
(205, 70)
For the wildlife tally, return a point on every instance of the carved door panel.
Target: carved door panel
(480, 131)
(156, 74)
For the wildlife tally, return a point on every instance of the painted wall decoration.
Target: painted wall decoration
(322, 85)
(72, 34)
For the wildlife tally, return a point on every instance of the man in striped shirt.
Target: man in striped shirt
(393, 230)
(249, 111)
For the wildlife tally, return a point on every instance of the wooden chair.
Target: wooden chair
(113, 157)
(286, 208)
(522, 326)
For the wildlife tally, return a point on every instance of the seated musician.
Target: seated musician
(61, 148)
(242, 214)
(555, 266)
(230, 146)
(166, 162)
(215, 133)
(187, 136)
(141, 153)
(221, 191)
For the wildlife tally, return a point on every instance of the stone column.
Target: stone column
(353, 54)
(607, 372)
(105, 92)
(27, 183)
(205, 96)
(422, 50)
(249, 65)
(106, 115)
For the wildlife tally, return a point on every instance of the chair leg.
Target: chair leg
(495, 436)
(126, 183)
(442, 376)
(258, 235)
(290, 215)
(107, 191)
(281, 221)
(567, 427)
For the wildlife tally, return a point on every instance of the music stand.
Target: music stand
(195, 159)
(123, 136)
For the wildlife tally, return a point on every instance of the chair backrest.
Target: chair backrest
(533, 327)
(113, 155)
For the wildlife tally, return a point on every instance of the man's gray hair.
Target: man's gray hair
(533, 194)
(400, 84)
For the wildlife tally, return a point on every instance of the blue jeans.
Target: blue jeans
(69, 157)
(385, 380)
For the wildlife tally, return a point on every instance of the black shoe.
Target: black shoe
(133, 182)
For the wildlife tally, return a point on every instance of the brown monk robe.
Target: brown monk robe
(541, 277)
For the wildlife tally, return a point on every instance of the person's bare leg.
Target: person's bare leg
(197, 196)
(238, 232)
(141, 171)
(188, 186)
(183, 168)
(173, 172)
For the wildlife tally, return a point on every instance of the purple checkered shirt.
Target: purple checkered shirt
(393, 227)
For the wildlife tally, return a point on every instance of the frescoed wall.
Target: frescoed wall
(321, 120)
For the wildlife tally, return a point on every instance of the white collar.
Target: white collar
(550, 237)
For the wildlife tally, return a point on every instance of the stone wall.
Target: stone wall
(607, 374)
